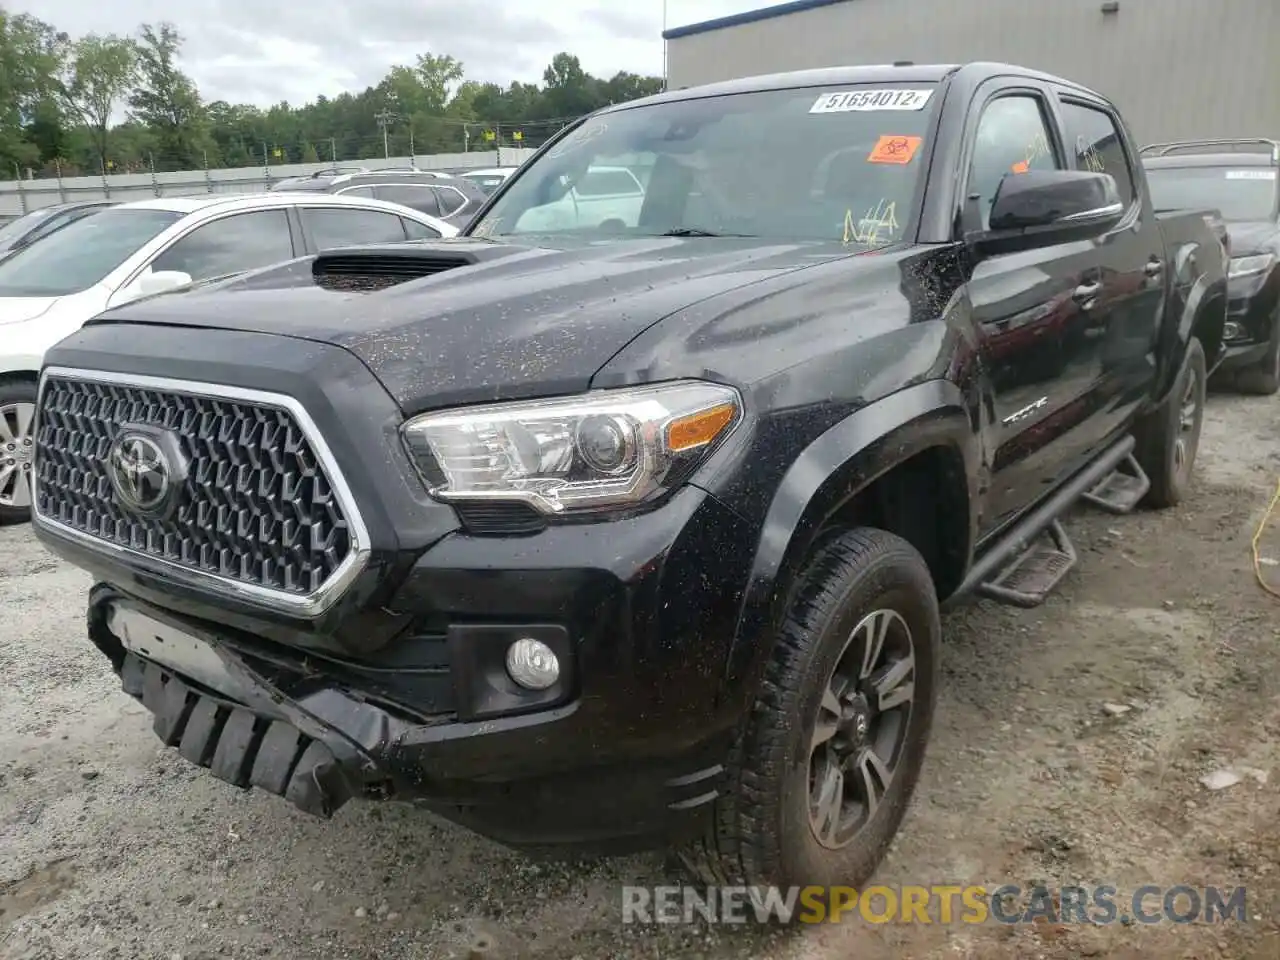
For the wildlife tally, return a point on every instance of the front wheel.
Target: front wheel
(824, 770)
(17, 442)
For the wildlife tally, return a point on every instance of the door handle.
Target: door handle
(1154, 268)
(1087, 291)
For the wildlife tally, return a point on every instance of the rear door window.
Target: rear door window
(1092, 136)
(412, 196)
(342, 227)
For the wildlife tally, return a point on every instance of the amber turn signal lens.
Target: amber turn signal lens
(699, 429)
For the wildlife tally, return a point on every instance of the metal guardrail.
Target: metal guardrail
(1164, 149)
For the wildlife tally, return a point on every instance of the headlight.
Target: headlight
(602, 449)
(1246, 266)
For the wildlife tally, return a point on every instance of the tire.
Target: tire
(17, 401)
(763, 832)
(1263, 378)
(1167, 441)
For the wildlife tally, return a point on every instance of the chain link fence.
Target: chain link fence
(21, 196)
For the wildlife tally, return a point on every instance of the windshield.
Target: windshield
(821, 163)
(1241, 194)
(16, 229)
(81, 253)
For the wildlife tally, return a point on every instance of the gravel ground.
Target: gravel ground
(113, 847)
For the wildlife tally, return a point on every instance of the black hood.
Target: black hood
(522, 321)
(1250, 237)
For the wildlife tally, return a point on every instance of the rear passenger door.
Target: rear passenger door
(1126, 314)
(1032, 309)
(329, 227)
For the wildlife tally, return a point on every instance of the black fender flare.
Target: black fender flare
(1204, 287)
(833, 468)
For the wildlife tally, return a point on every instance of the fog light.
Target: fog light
(1232, 331)
(532, 664)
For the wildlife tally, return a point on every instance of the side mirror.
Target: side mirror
(1040, 208)
(160, 281)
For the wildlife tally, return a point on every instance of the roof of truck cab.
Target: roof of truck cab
(849, 76)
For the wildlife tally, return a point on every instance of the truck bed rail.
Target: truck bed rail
(1164, 149)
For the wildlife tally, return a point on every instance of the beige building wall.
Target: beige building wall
(1178, 69)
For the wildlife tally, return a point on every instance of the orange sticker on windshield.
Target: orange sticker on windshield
(1021, 167)
(891, 149)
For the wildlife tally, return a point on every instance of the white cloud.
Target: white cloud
(262, 52)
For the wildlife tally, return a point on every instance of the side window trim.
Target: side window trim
(174, 241)
(1000, 89)
(1073, 99)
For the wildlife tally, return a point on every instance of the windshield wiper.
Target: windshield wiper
(698, 232)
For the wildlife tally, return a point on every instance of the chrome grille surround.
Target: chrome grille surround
(266, 516)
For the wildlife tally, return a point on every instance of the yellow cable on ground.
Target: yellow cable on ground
(1257, 536)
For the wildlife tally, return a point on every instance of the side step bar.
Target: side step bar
(1122, 490)
(1031, 577)
(1021, 569)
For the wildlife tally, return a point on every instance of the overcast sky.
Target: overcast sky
(265, 51)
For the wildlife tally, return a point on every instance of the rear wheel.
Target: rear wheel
(831, 753)
(1169, 439)
(17, 443)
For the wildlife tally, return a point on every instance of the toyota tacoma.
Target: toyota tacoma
(636, 532)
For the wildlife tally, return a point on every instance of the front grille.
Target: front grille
(257, 506)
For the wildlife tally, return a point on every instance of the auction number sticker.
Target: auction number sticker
(867, 100)
(1251, 174)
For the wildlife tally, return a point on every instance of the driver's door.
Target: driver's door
(1031, 308)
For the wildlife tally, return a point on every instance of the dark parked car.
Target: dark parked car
(451, 199)
(639, 535)
(1245, 186)
(30, 227)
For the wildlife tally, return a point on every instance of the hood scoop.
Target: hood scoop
(366, 269)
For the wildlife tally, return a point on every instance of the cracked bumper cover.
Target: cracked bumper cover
(627, 759)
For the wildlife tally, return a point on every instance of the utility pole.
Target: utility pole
(664, 46)
(385, 119)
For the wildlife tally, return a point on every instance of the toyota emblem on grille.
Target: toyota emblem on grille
(142, 473)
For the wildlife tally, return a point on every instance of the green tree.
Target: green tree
(165, 99)
(623, 86)
(97, 75)
(31, 52)
(569, 90)
(61, 100)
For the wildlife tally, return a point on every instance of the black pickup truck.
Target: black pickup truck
(637, 533)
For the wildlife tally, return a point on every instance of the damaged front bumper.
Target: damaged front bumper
(250, 715)
(222, 711)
